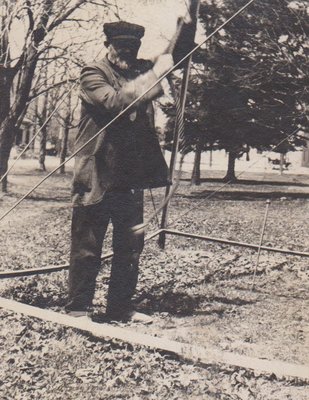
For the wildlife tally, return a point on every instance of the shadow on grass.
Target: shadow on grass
(58, 199)
(245, 195)
(178, 304)
(65, 199)
(232, 301)
(252, 182)
(182, 304)
(37, 172)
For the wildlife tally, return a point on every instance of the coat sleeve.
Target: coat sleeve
(97, 91)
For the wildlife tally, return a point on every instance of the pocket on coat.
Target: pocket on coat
(83, 174)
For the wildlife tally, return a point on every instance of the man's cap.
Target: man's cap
(123, 30)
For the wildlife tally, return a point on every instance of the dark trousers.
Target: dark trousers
(89, 225)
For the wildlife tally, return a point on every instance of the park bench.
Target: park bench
(276, 162)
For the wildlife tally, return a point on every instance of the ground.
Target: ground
(198, 292)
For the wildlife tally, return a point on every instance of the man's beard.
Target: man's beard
(123, 63)
(120, 62)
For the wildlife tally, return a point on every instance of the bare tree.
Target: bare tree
(38, 21)
(41, 116)
(67, 123)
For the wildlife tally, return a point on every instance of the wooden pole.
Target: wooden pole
(173, 161)
(179, 125)
(186, 351)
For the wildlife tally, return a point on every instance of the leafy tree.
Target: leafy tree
(257, 77)
(197, 137)
(250, 88)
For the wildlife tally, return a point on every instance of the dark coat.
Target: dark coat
(127, 154)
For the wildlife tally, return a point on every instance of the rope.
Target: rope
(126, 108)
(180, 103)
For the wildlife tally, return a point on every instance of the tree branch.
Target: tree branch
(30, 16)
(65, 15)
(47, 89)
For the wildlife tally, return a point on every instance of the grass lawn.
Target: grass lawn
(198, 292)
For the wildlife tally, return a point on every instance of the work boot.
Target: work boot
(78, 311)
(135, 316)
(129, 316)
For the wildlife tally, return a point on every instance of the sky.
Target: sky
(159, 18)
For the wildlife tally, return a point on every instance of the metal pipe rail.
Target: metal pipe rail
(56, 268)
(234, 243)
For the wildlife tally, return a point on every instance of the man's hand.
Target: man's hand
(163, 64)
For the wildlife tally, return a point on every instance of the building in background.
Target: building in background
(25, 134)
(305, 157)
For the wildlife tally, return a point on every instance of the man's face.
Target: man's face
(123, 52)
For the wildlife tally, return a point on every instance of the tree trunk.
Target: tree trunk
(196, 172)
(7, 136)
(230, 175)
(65, 133)
(5, 129)
(42, 149)
(43, 137)
(24, 71)
(210, 158)
(64, 147)
(247, 153)
(12, 119)
(281, 163)
(6, 80)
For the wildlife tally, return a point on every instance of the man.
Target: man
(112, 171)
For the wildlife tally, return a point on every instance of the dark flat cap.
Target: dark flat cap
(123, 30)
